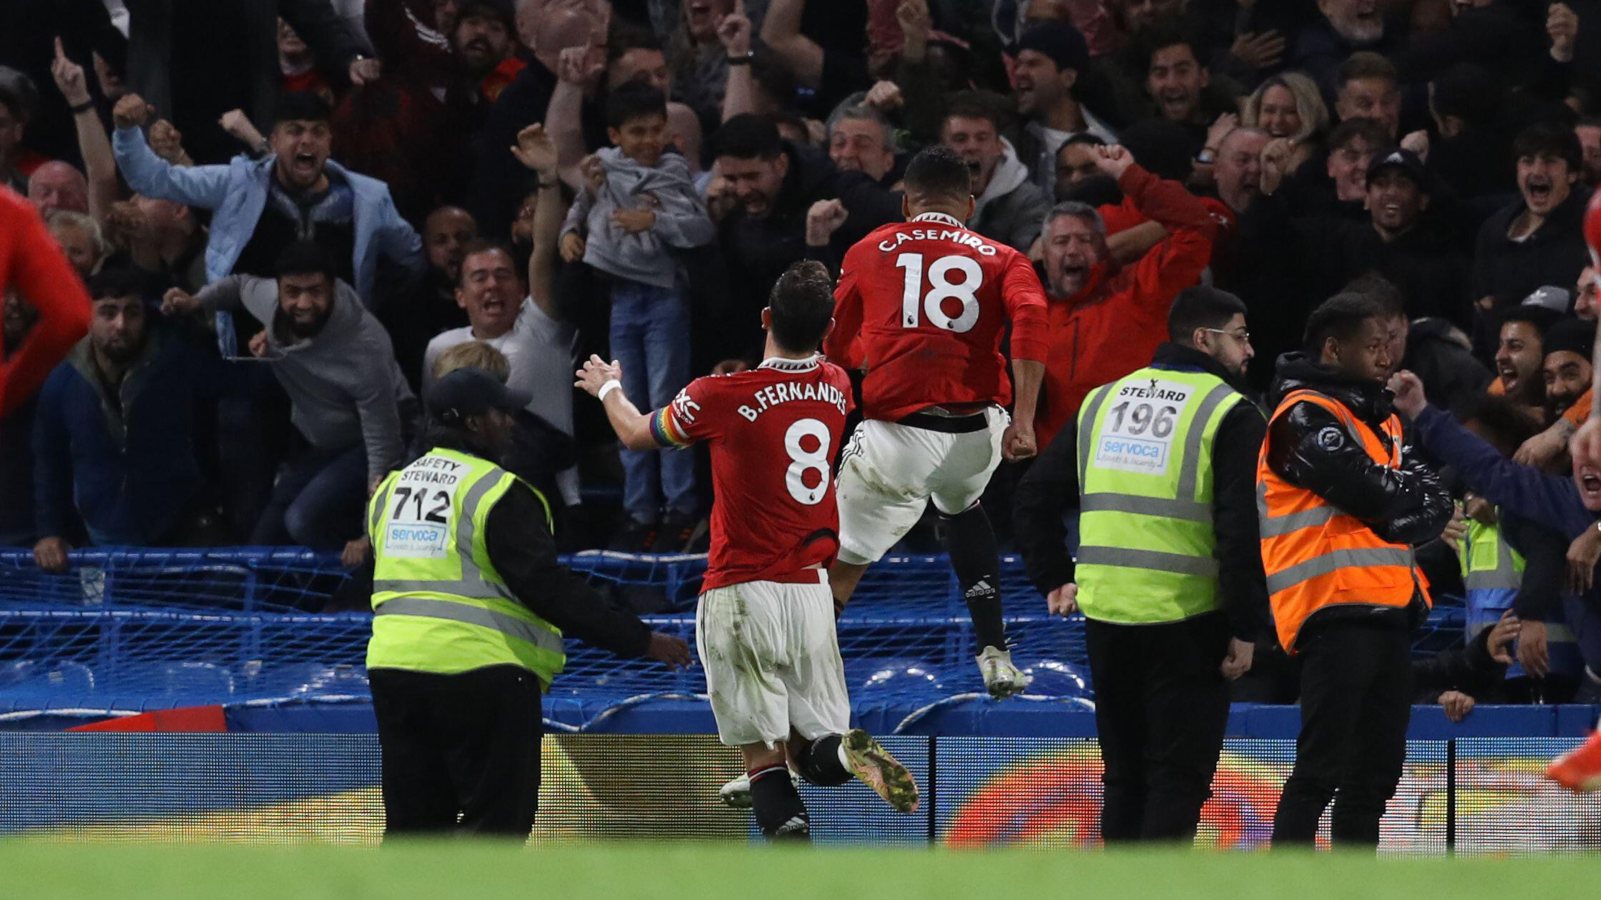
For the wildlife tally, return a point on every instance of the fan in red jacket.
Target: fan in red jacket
(33, 265)
(1105, 320)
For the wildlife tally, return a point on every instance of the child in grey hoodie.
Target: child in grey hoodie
(639, 207)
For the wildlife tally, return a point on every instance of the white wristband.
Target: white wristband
(608, 387)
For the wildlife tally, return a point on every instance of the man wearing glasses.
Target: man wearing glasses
(1161, 466)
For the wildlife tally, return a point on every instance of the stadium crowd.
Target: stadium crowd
(293, 216)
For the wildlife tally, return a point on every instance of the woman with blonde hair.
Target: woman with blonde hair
(471, 355)
(539, 451)
(1289, 108)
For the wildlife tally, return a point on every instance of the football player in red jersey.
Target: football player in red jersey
(764, 628)
(923, 306)
(32, 265)
(1580, 768)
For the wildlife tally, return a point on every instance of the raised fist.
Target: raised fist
(130, 112)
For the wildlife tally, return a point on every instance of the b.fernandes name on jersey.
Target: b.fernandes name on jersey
(784, 392)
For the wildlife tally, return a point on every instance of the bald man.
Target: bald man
(684, 132)
(57, 185)
(446, 232)
(430, 307)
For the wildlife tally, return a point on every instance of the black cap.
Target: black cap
(301, 106)
(470, 392)
(1572, 335)
(1063, 43)
(495, 9)
(1406, 161)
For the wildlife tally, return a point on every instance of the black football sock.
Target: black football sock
(778, 806)
(976, 558)
(819, 762)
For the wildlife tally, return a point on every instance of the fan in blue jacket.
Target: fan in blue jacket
(119, 434)
(1541, 512)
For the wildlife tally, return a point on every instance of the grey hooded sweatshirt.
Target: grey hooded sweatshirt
(344, 385)
(667, 190)
(1011, 209)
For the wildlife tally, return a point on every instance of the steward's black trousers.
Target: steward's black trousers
(1356, 700)
(460, 752)
(1161, 708)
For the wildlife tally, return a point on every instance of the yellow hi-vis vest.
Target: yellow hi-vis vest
(438, 604)
(1147, 549)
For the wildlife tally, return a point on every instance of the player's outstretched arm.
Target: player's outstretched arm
(604, 381)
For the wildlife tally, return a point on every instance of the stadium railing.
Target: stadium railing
(128, 630)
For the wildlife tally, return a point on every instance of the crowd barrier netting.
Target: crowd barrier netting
(1470, 796)
(127, 631)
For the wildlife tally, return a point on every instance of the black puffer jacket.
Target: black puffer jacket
(1405, 505)
(1309, 447)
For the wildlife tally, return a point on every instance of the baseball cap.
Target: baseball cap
(301, 106)
(1060, 41)
(1406, 161)
(1571, 335)
(494, 9)
(470, 392)
(1551, 297)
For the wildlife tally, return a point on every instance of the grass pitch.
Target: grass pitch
(629, 870)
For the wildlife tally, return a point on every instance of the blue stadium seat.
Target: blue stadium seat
(895, 675)
(335, 681)
(180, 682)
(302, 680)
(1056, 678)
(68, 677)
(17, 671)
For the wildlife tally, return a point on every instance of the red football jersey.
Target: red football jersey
(923, 307)
(774, 432)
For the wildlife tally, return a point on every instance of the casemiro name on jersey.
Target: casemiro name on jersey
(954, 235)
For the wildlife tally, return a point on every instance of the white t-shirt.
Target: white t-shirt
(540, 350)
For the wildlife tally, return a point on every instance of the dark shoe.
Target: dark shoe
(683, 533)
(636, 537)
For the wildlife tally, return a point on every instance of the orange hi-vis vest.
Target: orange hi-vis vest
(1317, 556)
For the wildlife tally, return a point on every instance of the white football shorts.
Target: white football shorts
(888, 473)
(772, 661)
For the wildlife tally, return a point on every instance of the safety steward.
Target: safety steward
(1494, 574)
(1341, 506)
(1161, 466)
(469, 611)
